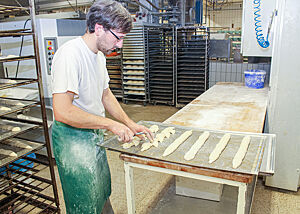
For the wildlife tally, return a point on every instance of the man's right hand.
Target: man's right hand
(124, 133)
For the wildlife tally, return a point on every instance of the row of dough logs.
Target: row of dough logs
(134, 61)
(135, 92)
(191, 153)
(137, 87)
(133, 72)
(134, 82)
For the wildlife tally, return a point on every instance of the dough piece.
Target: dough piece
(215, 154)
(155, 143)
(160, 137)
(12, 81)
(240, 155)
(146, 146)
(16, 143)
(8, 153)
(154, 128)
(16, 129)
(172, 147)
(20, 104)
(197, 145)
(3, 108)
(11, 56)
(164, 134)
(127, 145)
(135, 142)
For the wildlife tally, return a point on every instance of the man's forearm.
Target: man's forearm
(70, 114)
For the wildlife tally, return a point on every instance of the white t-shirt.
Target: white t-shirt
(77, 69)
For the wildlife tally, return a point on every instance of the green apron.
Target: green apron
(82, 167)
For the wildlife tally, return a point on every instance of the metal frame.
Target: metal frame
(157, 52)
(184, 44)
(245, 191)
(139, 38)
(115, 61)
(21, 190)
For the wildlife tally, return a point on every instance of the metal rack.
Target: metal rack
(113, 65)
(192, 63)
(161, 67)
(134, 70)
(24, 187)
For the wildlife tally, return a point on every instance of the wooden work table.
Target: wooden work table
(227, 107)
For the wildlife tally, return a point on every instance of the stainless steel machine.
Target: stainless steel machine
(278, 26)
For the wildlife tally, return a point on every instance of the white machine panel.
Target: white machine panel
(257, 15)
(52, 33)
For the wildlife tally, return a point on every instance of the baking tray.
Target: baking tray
(250, 164)
(8, 83)
(19, 151)
(6, 127)
(15, 105)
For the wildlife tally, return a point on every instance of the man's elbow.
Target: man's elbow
(59, 116)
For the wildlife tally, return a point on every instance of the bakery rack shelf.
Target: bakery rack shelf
(24, 187)
(134, 70)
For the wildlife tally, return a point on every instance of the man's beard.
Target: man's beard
(105, 51)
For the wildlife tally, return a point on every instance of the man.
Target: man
(80, 96)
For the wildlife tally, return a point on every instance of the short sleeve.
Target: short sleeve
(106, 76)
(65, 72)
(107, 79)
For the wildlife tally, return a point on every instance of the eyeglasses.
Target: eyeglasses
(118, 38)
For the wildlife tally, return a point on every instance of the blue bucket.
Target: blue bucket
(255, 78)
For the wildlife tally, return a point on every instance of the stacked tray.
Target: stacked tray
(113, 65)
(160, 52)
(133, 66)
(192, 63)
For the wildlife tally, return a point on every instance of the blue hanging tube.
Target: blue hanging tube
(264, 43)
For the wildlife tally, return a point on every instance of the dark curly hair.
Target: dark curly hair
(111, 15)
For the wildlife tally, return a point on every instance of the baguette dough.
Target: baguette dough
(172, 147)
(197, 145)
(219, 148)
(240, 155)
(8, 153)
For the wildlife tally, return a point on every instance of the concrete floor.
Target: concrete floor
(155, 191)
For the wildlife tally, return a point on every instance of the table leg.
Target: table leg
(241, 203)
(129, 188)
